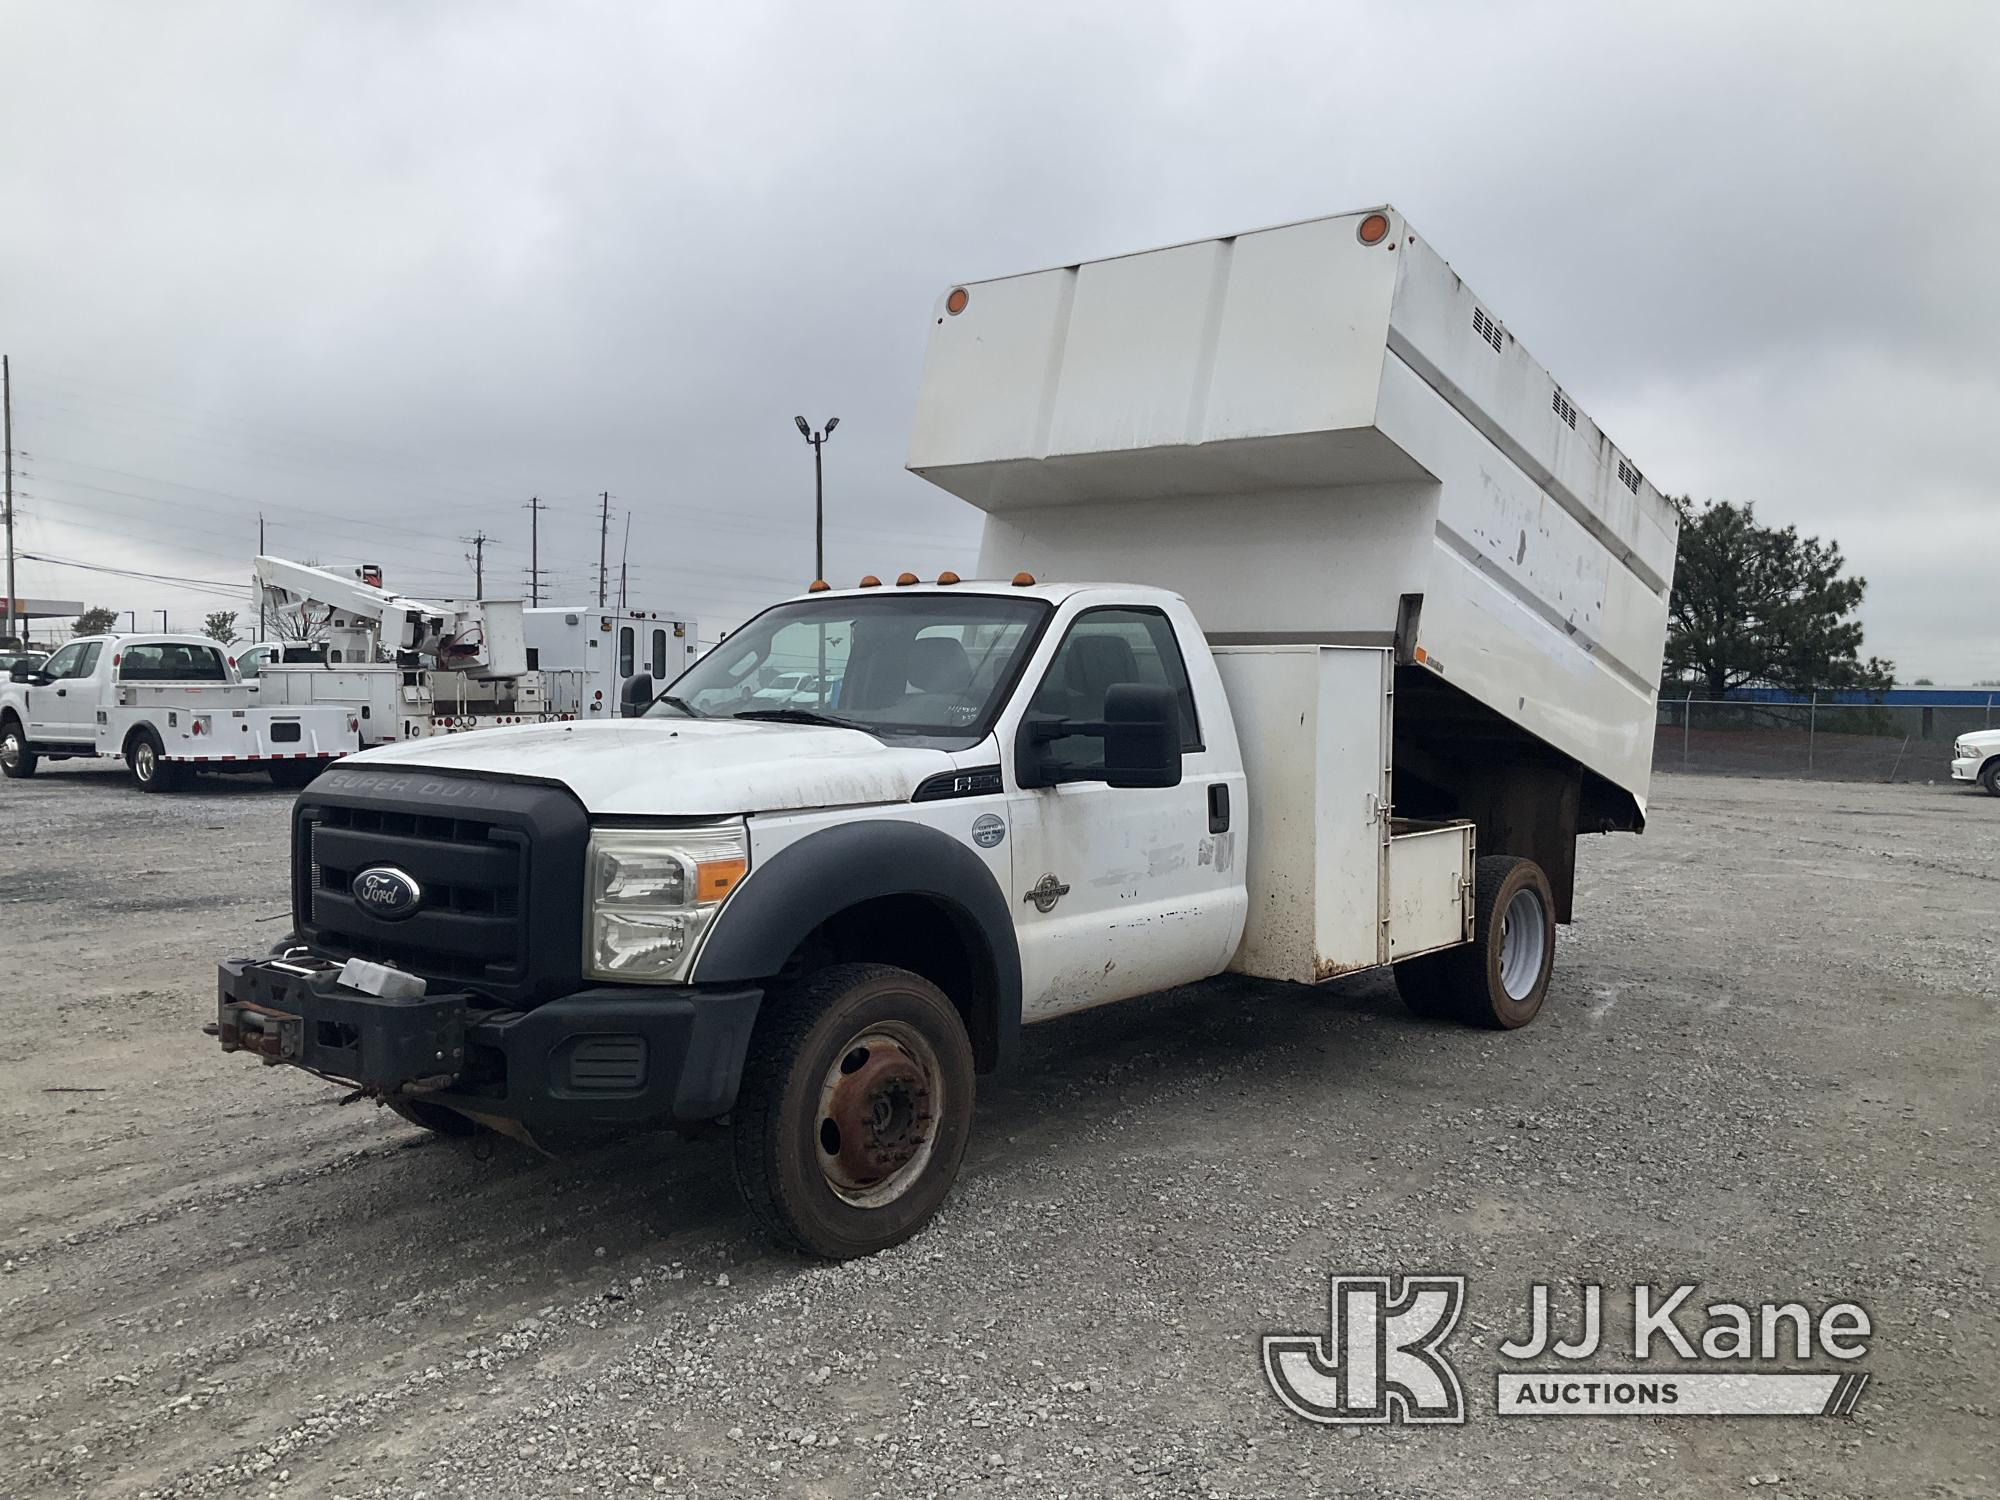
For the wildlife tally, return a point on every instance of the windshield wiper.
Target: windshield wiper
(800, 716)
(682, 704)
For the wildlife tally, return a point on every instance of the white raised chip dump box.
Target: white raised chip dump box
(1317, 433)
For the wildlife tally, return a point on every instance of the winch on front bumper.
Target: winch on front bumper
(616, 1055)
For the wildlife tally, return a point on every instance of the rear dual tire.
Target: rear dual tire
(854, 1109)
(146, 758)
(291, 775)
(1500, 979)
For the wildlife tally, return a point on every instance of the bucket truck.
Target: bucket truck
(411, 668)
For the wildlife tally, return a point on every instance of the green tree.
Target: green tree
(221, 626)
(1755, 606)
(96, 621)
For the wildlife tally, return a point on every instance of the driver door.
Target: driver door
(1120, 891)
(65, 711)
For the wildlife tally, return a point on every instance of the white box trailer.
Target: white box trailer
(1319, 436)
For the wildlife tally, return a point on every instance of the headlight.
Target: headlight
(1961, 751)
(651, 893)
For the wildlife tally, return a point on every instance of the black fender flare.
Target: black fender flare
(825, 873)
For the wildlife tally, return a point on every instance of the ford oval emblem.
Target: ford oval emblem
(388, 893)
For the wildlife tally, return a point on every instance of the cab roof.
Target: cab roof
(1051, 593)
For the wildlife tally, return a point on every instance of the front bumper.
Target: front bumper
(1966, 770)
(613, 1055)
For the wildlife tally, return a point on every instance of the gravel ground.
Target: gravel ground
(1766, 1066)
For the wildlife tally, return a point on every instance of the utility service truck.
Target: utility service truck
(168, 705)
(409, 668)
(1393, 647)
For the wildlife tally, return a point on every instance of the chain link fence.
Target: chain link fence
(1907, 739)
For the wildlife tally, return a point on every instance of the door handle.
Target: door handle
(1218, 808)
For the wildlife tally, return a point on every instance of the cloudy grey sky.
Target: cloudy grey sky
(384, 270)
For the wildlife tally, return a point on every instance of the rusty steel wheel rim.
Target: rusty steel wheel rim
(879, 1105)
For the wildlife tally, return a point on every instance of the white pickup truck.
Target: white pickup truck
(1405, 612)
(1975, 757)
(167, 705)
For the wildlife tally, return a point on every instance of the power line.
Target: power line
(200, 585)
(301, 446)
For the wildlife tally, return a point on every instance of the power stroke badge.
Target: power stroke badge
(1383, 1357)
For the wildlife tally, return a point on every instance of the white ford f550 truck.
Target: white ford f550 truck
(1395, 648)
(167, 705)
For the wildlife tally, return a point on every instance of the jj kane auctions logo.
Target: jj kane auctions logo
(1382, 1358)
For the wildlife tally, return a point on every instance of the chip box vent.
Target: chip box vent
(1628, 476)
(1559, 404)
(1486, 328)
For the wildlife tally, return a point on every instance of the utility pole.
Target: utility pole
(818, 440)
(624, 555)
(478, 544)
(163, 620)
(7, 401)
(257, 583)
(534, 509)
(603, 541)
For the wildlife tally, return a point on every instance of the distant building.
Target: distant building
(27, 611)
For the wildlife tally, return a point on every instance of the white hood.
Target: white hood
(682, 767)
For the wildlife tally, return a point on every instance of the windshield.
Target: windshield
(914, 665)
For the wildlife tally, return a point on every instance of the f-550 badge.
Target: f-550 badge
(1046, 893)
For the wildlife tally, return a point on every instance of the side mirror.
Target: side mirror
(636, 696)
(18, 672)
(1141, 730)
(1142, 735)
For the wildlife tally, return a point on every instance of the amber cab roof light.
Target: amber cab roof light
(870, 581)
(1373, 228)
(947, 576)
(904, 580)
(818, 586)
(1024, 580)
(955, 303)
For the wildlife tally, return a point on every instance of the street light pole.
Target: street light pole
(163, 620)
(818, 439)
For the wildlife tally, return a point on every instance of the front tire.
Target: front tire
(854, 1109)
(146, 757)
(17, 761)
(1990, 778)
(1500, 978)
